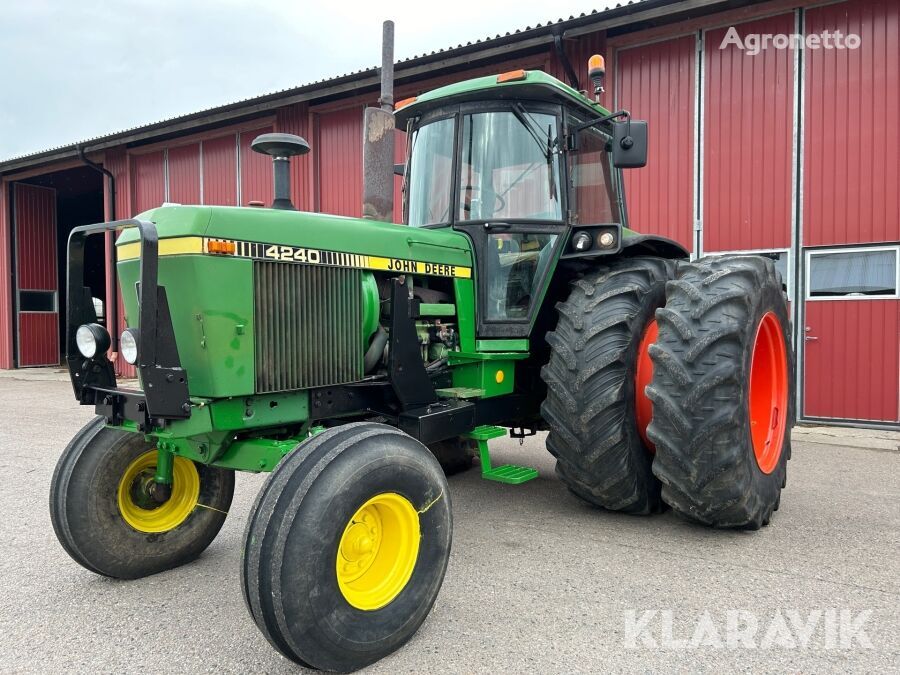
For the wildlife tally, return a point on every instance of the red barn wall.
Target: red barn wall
(6, 287)
(851, 181)
(257, 173)
(748, 141)
(338, 155)
(183, 164)
(220, 171)
(656, 82)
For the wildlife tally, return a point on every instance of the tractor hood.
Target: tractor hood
(188, 229)
(259, 298)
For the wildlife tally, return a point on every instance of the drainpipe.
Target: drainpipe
(564, 59)
(112, 304)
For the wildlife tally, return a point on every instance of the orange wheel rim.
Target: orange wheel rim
(768, 393)
(643, 373)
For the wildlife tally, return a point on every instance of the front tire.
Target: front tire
(723, 392)
(105, 529)
(346, 546)
(595, 406)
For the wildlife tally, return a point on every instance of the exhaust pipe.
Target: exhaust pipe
(281, 147)
(378, 140)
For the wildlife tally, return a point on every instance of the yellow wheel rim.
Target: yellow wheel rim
(378, 551)
(145, 516)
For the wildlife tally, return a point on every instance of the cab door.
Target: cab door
(510, 200)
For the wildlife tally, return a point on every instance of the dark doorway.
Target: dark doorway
(78, 201)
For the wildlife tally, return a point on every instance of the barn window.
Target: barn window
(852, 273)
(37, 301)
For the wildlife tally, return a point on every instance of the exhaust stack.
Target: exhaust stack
(281, 147)
(378, 140)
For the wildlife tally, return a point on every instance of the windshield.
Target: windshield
(430, 171)
(509, 167)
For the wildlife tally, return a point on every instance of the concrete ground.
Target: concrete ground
(537, 580)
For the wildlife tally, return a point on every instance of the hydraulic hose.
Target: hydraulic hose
(375, 350)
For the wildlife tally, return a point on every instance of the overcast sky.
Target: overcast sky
(74, 69)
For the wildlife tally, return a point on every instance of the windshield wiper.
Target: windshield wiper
(546, 145)
(533, 129)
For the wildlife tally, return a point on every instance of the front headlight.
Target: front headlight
(91, 339)
(128, 345)
(581, 241)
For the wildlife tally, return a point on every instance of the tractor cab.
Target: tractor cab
(518, 162)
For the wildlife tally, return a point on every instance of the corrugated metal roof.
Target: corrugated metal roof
(20, 161)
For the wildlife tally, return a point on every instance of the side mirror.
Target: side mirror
(399, 169)
(629, 144)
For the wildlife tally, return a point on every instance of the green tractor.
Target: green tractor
(359, 361)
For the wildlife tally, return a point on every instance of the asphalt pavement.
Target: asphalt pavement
(537, 581)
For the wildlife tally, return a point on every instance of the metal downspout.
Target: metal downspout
(112, 304)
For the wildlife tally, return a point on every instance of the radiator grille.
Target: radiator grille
(308, 320)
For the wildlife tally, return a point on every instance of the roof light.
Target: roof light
(597, 71)
(221, 247)
(405, 102)
(511, 76)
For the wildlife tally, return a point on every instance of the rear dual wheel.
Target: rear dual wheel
(675, 391)
(107, 522)
(722, 392)
(346, 546)
(599, 365)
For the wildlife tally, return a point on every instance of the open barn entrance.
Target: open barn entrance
(45, 209)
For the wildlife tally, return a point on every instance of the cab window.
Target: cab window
(592, 186)
(430, 170)
(516, 264)
(509, 167)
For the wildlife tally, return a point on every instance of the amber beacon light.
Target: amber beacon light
(597, 71)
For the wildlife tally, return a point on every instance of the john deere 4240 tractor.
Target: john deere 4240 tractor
(359, 361)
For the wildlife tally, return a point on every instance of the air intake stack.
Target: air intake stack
(281, 147)
(378, 140)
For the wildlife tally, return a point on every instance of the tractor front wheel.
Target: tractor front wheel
(723, 392)
(106, 521)
(346, 547)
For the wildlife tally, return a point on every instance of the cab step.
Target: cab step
(508, 473)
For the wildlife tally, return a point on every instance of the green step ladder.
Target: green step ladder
(508, 473)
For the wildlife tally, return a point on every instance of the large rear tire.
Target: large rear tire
(594, 399)
(346, 546)
(723, 392)
(104, 526)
